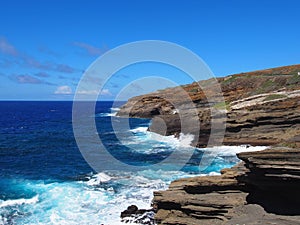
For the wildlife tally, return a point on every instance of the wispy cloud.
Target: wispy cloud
(28, 79)
(114, 85)
(49, 66)
(63, 90)
(7, 48)
(5, 63)
(104, 92)
(42, 74)
(47, 51)
(91, 50)
(122, 75)
(64, 68)
(136, 87)
(87, 92)
(22, 59)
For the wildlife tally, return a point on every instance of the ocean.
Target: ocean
(44, 178)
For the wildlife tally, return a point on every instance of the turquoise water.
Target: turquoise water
(45, 180)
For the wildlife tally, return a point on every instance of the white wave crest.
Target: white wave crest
(99, 179)
(105, 114)
(184, 140)
(115, 109)
(209, 174)
(139, 130)
(20, 201)
(233, 150)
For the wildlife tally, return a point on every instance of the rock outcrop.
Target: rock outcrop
(263, 189)
(141, 216)
(261, 120)
(259, 108)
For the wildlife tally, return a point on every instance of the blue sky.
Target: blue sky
(46, 45)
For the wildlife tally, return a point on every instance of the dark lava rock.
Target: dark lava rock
(141, 216)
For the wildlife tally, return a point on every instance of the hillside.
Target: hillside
(259, 108)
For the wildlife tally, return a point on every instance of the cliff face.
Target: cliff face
(264, 189)
(260, 108)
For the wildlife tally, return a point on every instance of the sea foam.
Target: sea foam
(9, 203)
(233, 150)
(99, 179)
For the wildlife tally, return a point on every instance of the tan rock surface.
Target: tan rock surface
(262, 190)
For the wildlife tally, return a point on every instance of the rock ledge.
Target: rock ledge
(266, 185)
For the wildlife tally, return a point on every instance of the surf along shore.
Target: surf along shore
(261, 108)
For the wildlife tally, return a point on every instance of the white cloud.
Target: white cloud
(89, 92)
(94, 92)
(63, 90)
(105, 92)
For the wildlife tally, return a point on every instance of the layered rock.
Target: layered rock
(259, 108)
(276, 172)
(265, 184)
(209, 199)
(261, 120)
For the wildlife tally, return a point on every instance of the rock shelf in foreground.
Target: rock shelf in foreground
(263, 189)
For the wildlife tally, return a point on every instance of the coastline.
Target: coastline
(261, 108)
(253, 186)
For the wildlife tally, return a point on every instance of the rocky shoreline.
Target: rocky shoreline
(259, 108)
(263, 189)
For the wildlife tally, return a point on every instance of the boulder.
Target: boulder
(141, 216)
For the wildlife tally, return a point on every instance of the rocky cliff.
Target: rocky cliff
(263, 189)
(259, 108)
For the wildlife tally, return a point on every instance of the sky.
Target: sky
(46, 46)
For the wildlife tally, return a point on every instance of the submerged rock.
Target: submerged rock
(141, 216)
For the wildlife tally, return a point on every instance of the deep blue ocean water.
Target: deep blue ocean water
(45, 180)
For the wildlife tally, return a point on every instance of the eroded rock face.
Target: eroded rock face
(275, 174)
(260, 108)
(264, 123)
(264, 185)
(210, 199)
